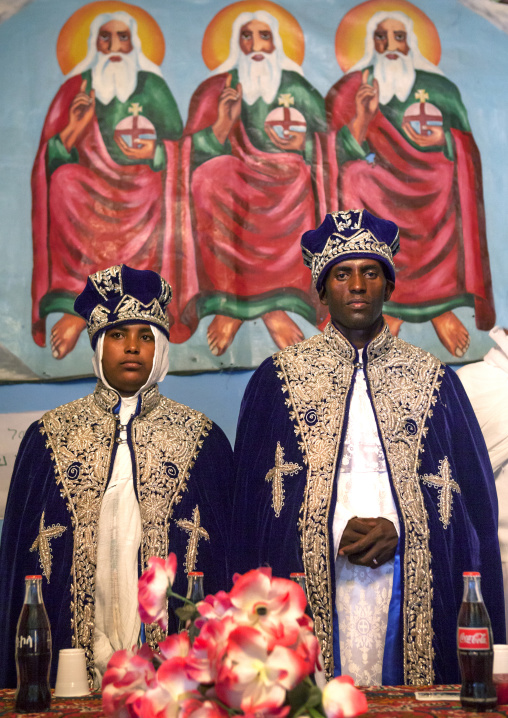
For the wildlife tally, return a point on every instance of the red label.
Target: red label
(473, 639)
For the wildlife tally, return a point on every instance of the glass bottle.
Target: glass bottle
(475, 648)
(33, 651)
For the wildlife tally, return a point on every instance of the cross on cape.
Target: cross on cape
(422, 95)
(41, 543)
(446, 485)
(196, 532)
(276, 476)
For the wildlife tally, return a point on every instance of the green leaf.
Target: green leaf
(187, 612)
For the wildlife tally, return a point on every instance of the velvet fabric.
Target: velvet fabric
(468, 543)
(34, 491)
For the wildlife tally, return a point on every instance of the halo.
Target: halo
(350, 35)
(72, 43)
(215, 46)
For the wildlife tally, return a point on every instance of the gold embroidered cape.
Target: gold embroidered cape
(289, 443)
(182, 467)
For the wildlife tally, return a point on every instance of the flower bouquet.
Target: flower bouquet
(254, 655)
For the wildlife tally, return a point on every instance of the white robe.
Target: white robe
(117, 622)
(362, 594)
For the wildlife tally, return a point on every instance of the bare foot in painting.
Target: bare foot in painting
(452, 333)
(282, 328)
(393, 324)
(221, 332)
(65, 334)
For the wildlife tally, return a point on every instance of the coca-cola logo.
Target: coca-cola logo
(473, 639)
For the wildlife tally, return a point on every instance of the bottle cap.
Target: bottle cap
(471, 573)
(297, 574)
(32, 577)
(195, 573)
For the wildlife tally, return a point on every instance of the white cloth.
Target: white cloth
(486, 384)
(362, 594)
(117, 622)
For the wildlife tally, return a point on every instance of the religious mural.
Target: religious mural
(212, 182)
(103, 189)
(405, 152)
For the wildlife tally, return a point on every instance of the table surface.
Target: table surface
(384, 701)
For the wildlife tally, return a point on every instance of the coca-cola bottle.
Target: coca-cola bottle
(33, 651)
(475, 648)
(195, 594)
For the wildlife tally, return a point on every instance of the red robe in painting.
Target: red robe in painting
(94, 213)
(435, 196)
(240, 244)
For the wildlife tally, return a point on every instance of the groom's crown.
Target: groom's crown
(350, 235)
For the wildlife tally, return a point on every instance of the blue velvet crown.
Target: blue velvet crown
(347, 235)
(120, 295)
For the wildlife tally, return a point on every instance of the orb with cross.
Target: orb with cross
(422, 114)
(135, 127)
(286, 119)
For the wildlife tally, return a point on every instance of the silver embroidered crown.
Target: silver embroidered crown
(120, 294)
(349, 234)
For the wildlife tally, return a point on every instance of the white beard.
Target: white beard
(395, 77)
(115, 79)
(259, 79)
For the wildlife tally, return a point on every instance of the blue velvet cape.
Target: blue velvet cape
(181, 461)
(289, 442)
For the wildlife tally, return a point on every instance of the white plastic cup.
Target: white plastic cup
(71, 677)
(500, 671)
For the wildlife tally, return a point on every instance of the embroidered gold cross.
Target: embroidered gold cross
(422, 95)
(41, 543)
(276, 476)
(135, 109)
(446, 485)
(196, 532)
(286, 99)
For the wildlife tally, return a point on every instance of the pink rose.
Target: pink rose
(215, 606)
(128, 676)
(254, 679)
(193, 708)
(176, 645)
(272, 605)
(342, 700)
(172, 688)
(152, 590)
(208, 649)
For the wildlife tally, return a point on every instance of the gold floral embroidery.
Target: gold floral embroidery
(317, 375)
(276, 476)
(41, 544)
(446, 485)
(167, 438)
(196, 532)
